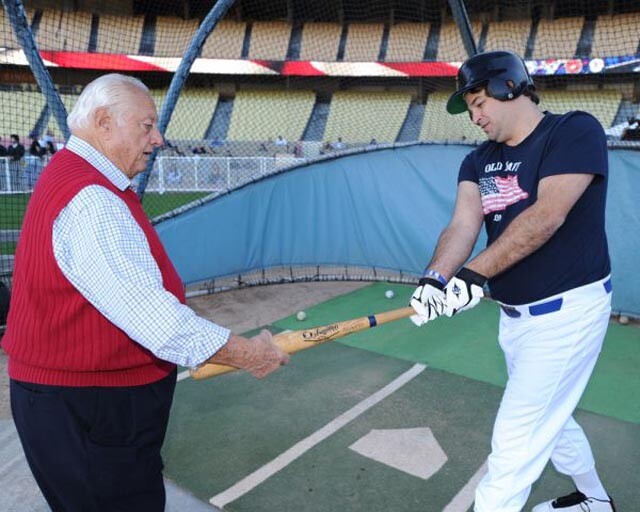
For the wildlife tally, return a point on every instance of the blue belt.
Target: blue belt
(544, 307)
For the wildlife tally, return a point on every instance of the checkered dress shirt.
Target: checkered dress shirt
(105, 255)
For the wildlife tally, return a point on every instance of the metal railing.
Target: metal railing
(19, 176)
(212, 174)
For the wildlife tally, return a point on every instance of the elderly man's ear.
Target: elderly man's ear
(103, 120)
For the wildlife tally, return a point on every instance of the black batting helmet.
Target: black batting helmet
(504, 74)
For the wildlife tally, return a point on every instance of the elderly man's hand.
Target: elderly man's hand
(258, 355)
(266, 357)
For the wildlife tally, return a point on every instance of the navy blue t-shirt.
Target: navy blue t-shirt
(508, 178)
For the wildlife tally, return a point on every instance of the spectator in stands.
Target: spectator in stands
(632, 131)
(3, 150)
(34, 165)
(281, 142)
(373, 143)
(16, 149)
(327, 147)
(48, 137)
(216, 142)
(539, 185)
(16, 152)
(298, 149)
(172, 148)
(338, 144)
(35, 149)
(174, 176)
(50, 148)
(98, 319)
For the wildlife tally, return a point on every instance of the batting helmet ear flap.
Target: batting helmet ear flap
(504, 74)
(505, 90)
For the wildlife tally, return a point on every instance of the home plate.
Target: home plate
(411, 450)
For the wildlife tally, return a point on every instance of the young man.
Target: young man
(539, 185)
(98, 319)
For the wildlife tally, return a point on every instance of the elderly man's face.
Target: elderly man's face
(135, 136)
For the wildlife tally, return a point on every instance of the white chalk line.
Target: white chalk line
(284, 459)
(464, 499)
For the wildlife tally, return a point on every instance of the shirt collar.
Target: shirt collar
(110, 171)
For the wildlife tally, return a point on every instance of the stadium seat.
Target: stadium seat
(450, 46)
(173, 35)
(407, 42)
(557, 38)
(363, 42)
(603, 105)
(358, 117)
(269, 40)
(69, 101)
(21, 110)
(7, 37)
(192, 114)
(607, 41)
(439, 125)
(508, 35)
(64, 31)
(119, 34)
(320, 42)
(225, 42)
(264, 115)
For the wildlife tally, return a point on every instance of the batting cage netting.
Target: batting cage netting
(250, 88)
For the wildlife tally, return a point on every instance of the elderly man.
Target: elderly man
(98, 319)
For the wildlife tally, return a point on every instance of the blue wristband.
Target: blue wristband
(435, 275)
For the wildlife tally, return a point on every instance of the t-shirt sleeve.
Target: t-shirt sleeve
(468, 170)
(578, 146)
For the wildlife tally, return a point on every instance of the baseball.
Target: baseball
(389, 294)
(623, 319)
(301, 315)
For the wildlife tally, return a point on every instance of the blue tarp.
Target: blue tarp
(382, 209)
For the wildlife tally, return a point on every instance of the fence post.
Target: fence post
(161, 175)
(7, 174)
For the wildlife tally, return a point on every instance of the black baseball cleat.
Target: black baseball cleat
(576, 502)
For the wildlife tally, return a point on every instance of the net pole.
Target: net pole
(179, 78)
(461, 18)
(20, 25)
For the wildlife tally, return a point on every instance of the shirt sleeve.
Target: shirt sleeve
(105, 255)
(578, 146)
(467, 170)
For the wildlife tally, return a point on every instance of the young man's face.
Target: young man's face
(494, 117)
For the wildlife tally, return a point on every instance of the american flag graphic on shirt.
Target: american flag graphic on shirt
(498, 193)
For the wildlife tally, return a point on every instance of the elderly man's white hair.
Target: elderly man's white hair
(109, 91)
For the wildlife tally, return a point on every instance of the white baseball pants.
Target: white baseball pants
(550, 355)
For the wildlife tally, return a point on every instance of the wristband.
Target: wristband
(468, 275)
(435, 275)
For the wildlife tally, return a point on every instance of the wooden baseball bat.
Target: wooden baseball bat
(294, 341)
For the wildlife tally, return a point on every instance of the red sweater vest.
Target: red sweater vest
(54, 335)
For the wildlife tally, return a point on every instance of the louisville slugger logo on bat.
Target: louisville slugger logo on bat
(321, 333)
(294, 341)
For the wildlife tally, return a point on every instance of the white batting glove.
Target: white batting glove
(464, 291)
(428, 301)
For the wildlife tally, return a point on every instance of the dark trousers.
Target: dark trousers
(95, 449)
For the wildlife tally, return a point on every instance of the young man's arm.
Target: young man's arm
(458, 238)
(452, 250)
